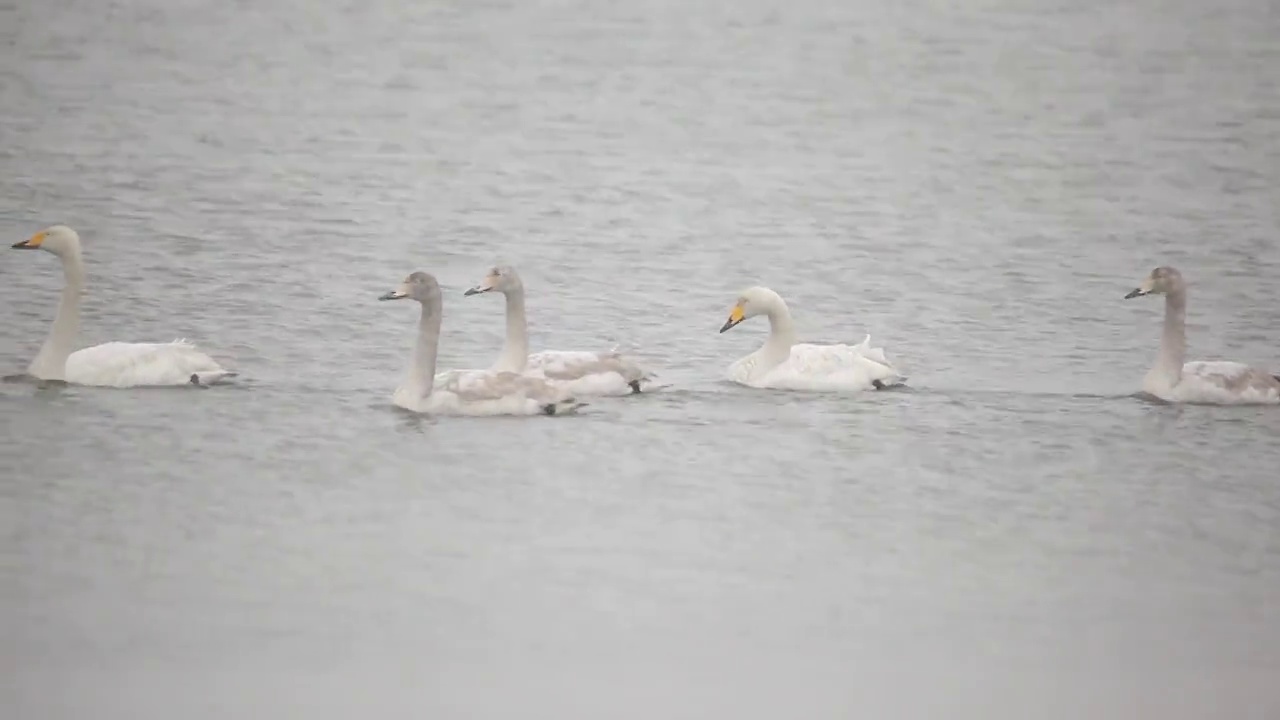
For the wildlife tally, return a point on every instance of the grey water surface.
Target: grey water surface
(974, 184)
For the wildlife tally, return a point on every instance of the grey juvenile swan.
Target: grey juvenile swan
(580, 372)
(1218, 382)
(464, 392)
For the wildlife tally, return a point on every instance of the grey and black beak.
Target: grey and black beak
(477, 290)
(393, 295)
(729, 324)
(24, 245)
(1136, 292)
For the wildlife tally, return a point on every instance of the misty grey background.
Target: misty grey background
(975, 184)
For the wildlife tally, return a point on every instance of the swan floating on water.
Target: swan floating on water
(113, 364)
(465, 392)
(580, 372)
(783, 364)
(1216, 382)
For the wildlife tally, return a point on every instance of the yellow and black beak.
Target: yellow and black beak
(31, 243)
(735, 317)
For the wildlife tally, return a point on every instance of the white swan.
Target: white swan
(467, 392)
(113, 364)
(784, 364)
(1218, 382)
(580, 372)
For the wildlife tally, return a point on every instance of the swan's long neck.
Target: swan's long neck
(515, 348)
(422, 372)
(782, 334)
(51, 362)
(1173, 339)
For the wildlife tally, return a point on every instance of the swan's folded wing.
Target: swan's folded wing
(478, 386)
(862, 348)
(812, 366)
(469, 384)
(1235, 380)
(572, 365)
(826, 359)
(121, 364)
(830, 367)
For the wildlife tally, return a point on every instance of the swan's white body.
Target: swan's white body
(1204, 382)
(113, 364)
(783, 364)
(581, 373)
(816, 367)
(120, 364)
(465, 392)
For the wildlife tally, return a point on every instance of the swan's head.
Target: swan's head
(419, 286)
(752, 302)
(58, 239)
(500, 278)
(1162, 281)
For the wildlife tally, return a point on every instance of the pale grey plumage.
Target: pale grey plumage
(1214, 382)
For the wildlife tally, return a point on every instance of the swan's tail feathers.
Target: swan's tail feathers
(564, 407)
(874, 353)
